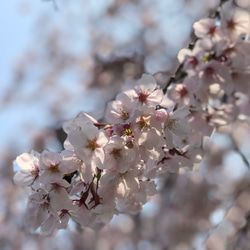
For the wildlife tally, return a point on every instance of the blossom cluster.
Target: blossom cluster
(147, 133)
(106, 168)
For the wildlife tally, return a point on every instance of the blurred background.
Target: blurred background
(63, 57)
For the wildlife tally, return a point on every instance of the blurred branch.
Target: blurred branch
(54, 4)
(237, 195)
(236, 148)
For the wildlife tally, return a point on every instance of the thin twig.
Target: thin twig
(236, 148)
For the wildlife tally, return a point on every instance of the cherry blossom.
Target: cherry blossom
(145, 92)
(154, 141)
(88, 145)
(29, 174)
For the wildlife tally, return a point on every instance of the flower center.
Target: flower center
(193, 60)
(53, 168)
(143, 97)
(231, 24)
(172, 124)
(212, 31)
(209, 71)
(92, 145)
(182, 91)
(142, 123)
(116, 152)
(124, 115)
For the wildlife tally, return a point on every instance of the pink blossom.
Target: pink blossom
(234, 21)
(118, 155)
(145, 92)
(88, 145)
(207, 28)
(29, 174)
(120, 111)
(52, 167)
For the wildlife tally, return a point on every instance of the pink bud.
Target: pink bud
(118, 129)
(109, 132)
(162, 115)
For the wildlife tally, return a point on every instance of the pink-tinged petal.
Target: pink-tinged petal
(81, 215)
(183, 54)
(155, 97)
(50, 177)
(122, 189)
(23, 178)
(50, 158)
(122, 167)
(147, 83)
(181, 112)
(169, 138)
(59, 199)
(48, 226)
(99, 155)
(108, 178)
(78, 123)
(132, 182)
(36, 214)
(102, 138)
(26, 161)
(77, 139)
(128, 154)
(67, 145)
(182, 128)
(64, 219)
(70, 162)
(205, 27)
(131, 94)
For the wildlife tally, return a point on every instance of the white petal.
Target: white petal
(22, 178)
(180, 113)
(26, 161)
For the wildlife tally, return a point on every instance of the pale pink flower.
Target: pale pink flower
(120, 111)
(147, 129)
(199, 122)
(52, 167)
(58, 195)
(234, 21)
(145, 92)
(81, 214)
(133, 204)
(39, 209)
(64, 216)
(88, 145)
(100, 216)
(183, 94)
(86, 172)
(29, 173)
(191, 59)
(176, 124)
(124, 184)
(118, 155)
(48, 226)
(207, 28)
(78, 122)
(214, 72)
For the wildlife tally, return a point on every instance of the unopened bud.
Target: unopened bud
(162, 115)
